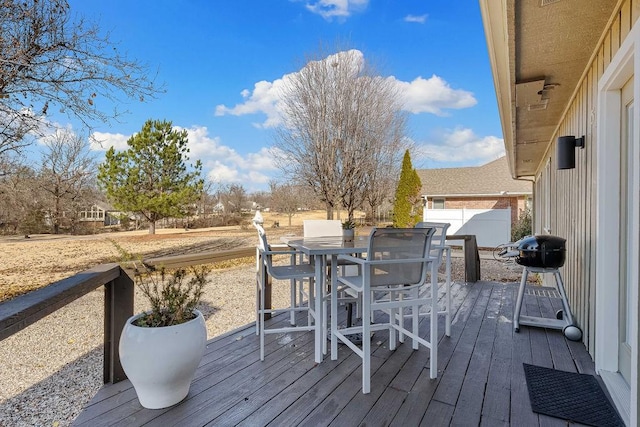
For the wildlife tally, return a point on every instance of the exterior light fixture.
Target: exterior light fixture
(567, 151)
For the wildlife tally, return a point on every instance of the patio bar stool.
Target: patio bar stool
(292, 272)
(442, 252)
(398, 262)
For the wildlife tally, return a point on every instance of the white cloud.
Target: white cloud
(420, 19)
(220, 172)
(433, 95)
(52, 132)
(263, 99)
(462, 146)
(220, 163)
(340, 9)
(102, 141)
(203, 147)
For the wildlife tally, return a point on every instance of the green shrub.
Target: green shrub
(172, 297)
(522, 227)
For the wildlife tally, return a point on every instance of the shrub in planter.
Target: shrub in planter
(161, 348)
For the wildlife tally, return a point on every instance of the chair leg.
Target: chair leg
(292, 312)
(366, 344)
(309, 301)
(448, 295)
(334, 318)
(401, 318)
(433, 362)
(258, 303)
(259, 267)
(415, 321)
(324, 324)
(393, 317)
(261, 314)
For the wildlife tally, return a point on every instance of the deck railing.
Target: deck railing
(22, 311)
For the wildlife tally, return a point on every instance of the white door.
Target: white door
(628, 228)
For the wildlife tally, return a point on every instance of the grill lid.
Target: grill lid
(541, 251)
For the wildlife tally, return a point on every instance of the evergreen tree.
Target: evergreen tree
(407, 207)
(151, 177)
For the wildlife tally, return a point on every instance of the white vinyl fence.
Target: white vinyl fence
(492, 227)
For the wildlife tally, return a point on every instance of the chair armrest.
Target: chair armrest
(363, 261)
(279, 246)
(282, 252)
(352, 259)
(399, 261)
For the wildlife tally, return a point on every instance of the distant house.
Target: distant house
(100, 213)
(218, 207)
(483, 200)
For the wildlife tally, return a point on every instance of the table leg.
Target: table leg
(334, 307)
(318, 308)
(433, 360)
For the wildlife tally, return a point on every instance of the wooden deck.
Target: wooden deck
(480, 379)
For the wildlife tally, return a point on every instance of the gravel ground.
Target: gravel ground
(51, 369)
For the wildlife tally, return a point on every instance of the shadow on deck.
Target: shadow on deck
(480, 376)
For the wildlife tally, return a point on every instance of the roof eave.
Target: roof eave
(496, 18)
(506, 194)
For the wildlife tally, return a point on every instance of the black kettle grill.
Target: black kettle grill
(544, 254)
(541, 251)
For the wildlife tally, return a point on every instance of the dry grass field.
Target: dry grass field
(30, 263)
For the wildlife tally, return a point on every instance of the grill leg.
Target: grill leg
(518, 307)
(563, 295)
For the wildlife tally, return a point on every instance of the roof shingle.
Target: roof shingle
(489, 179)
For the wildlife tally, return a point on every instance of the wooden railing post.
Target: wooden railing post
(471, 256)
(260, 274)
(471, 259)
(118, 307)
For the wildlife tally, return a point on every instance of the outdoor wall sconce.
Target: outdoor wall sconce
(567, 151)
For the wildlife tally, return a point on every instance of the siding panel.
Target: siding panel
(573, 192)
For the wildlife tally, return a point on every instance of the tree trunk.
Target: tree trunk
(56, 216)
(329, 211)
(152, 227)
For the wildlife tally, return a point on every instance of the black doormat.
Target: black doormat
(570, 396)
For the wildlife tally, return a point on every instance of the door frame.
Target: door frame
(617, 73)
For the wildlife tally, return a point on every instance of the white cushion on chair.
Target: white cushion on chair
(321, 227)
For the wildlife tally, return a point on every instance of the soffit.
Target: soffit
(550, 43)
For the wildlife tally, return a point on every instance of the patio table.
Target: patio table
(319, 249)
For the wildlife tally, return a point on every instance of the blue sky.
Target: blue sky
(221, 61)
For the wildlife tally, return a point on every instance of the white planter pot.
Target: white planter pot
(161, 362)
(348, 234)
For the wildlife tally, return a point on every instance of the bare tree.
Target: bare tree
(51, 61)
(341, 123)
(261, 199)
(67, 173)
(22, 206)
(381, 181)
(286, 198)
(237, 197)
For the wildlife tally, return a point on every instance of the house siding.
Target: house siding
(572, 193)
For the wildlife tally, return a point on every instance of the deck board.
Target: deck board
(480, 375)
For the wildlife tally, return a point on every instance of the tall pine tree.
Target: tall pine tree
(407, 206)
(152, 177)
